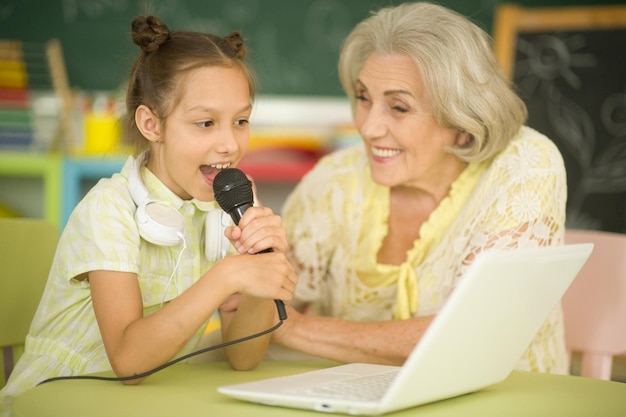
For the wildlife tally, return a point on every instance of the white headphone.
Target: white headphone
(161, 224)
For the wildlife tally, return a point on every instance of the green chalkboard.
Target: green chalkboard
(293, 44)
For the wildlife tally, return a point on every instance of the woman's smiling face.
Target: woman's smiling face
(405, 144)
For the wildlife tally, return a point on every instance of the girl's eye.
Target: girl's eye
(205, 123)
(242, 122)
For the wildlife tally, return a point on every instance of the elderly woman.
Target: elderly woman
(381, 232)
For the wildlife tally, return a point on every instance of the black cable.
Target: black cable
(165, 365)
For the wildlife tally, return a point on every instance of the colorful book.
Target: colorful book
(16, 98)
(14, 137)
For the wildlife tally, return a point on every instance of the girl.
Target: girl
(139, 268)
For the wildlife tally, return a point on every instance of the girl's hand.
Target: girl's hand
(267, 275)
(259, 229)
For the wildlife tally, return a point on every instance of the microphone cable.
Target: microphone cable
(165, 365)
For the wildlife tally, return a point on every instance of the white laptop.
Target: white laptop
(475, 340)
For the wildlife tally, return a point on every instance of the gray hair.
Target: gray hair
(465, 83)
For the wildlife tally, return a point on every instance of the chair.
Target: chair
(595, 304)
(27, 247)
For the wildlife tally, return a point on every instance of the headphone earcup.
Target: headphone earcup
(159, 223)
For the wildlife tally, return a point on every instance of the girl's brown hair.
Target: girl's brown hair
(166, 58)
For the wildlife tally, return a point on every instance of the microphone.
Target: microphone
(233, 193)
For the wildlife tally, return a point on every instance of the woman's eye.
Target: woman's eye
(242, 122)
(205, 123)
(400, 109)
(360, 97)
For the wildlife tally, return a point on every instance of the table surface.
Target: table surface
(190, 390)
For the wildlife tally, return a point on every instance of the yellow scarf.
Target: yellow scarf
(376, 275)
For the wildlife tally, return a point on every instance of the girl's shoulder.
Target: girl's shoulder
(108, 199)
(114, 189)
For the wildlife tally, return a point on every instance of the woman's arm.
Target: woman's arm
(384, 342)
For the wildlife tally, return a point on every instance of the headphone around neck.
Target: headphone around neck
(161, 224)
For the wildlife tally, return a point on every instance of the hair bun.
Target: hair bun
(149, 33)
(235, 41)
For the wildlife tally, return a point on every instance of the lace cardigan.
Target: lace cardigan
(336, 220)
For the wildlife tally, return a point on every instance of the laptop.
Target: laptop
(475, 340)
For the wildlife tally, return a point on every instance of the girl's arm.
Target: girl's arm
(135, 344)
(243, 315)
(251, 315)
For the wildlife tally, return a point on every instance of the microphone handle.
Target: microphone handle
(236, 213)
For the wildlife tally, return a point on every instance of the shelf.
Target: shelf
(78, 169)
(63, 178)
(285, 172)
(39, 166)
(279, 165)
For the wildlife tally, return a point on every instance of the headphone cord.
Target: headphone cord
(165, 365)
(180, 255)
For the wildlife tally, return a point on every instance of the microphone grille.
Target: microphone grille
(232, 188)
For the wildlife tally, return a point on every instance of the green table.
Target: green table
(190, 390)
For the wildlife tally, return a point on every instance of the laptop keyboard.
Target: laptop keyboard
(367, 388)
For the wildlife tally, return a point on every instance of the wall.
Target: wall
(294, 43)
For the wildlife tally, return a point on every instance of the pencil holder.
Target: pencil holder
(102, 133)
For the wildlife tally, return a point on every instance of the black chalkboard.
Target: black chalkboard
(568, 65)
(574, 84)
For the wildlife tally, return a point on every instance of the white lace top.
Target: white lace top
(336, 220)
